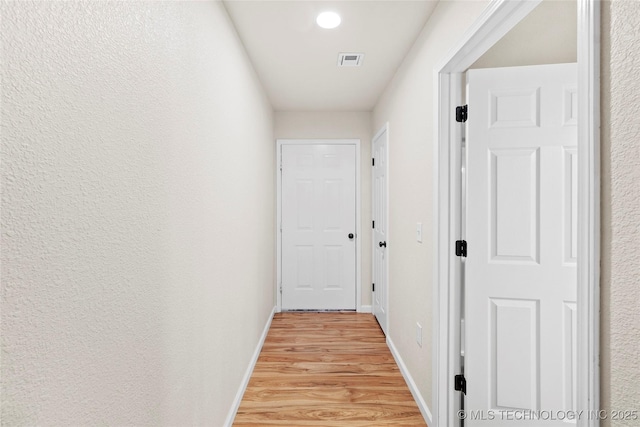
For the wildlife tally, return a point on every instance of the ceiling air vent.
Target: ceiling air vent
(350, 59)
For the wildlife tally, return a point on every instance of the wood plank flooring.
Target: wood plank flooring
(326, 369)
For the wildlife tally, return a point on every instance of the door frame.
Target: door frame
(278, 225)
(384, 128)
(497, 19)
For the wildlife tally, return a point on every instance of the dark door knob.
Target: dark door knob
(383, 244)
(350, 235)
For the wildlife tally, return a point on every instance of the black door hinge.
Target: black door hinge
(373, 287)
(373, 161)
(460, 383)
(461, 248)
(461, 114)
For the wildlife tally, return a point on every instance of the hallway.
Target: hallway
(138, 181)
(327, 369)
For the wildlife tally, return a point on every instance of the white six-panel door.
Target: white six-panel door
(318, 227)
(380, 224)
(520, 278)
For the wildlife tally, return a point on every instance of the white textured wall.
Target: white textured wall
(620, 285)
(137, 213)
(340, 125)
(407, 104)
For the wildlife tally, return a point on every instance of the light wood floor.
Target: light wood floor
(326, 369)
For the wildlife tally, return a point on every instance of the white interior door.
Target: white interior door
(318, 227)
(380, 227)
(520, 277)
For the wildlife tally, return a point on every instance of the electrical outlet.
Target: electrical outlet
(419, 334)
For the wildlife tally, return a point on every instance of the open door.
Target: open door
(521, 227)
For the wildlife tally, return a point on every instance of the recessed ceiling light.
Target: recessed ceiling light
(328, 20)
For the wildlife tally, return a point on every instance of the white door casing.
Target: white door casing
(520, 270)
(318, 227)
(380, 216)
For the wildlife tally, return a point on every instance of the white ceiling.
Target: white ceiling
(296, 60)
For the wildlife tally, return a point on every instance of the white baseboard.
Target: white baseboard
(364, 309)
(247, 375)
(422, 405)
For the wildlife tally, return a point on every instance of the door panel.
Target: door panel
(318, 214)
(520, 275)
(514, 190)
(380, 233)
(515, 376)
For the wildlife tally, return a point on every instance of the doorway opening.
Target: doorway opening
(499, 18)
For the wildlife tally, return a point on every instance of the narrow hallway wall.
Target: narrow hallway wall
(407, 104)
(137, 213)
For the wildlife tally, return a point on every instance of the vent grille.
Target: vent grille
(350, 59)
